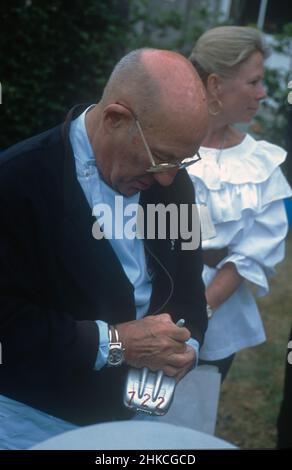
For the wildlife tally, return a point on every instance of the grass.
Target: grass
(252, 392)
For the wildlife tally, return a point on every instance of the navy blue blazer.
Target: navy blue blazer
(55, 279)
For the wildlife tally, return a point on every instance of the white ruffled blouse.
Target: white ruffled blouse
(243, 188)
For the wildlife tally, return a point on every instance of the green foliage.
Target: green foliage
(284, 39)
(168, 26)
(54, 54)
(272, 121)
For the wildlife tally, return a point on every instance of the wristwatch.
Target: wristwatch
(116, 351)
(209, 311)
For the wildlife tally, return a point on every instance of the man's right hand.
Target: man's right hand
(157, 343)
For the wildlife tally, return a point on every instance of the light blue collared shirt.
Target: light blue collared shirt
(129, 250)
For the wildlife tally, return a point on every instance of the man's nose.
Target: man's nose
(166, 177)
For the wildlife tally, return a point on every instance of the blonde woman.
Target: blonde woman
(240, 183)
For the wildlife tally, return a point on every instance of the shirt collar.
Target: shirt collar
(82, 149)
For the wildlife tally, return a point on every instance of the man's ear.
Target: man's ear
(115, 116)
(214, 85)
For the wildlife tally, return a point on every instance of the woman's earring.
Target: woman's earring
(217, 109)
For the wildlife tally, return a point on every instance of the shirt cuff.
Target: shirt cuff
(102, 354)
(194, 343)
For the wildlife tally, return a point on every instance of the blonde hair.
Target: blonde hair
(219, 50)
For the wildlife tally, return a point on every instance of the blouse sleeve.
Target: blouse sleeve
(259, 246)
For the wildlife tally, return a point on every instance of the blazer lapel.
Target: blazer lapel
(93, 263)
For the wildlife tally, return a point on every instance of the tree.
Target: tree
(54, 54)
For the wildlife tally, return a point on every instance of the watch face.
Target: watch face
(115, 357)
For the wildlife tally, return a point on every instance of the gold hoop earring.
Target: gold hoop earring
(217, 110)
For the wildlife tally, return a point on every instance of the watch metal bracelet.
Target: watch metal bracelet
(209, 311)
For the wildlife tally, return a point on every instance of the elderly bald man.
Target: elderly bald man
(83, 297)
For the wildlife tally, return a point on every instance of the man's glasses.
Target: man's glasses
(165, 166)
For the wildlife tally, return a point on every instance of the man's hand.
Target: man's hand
(157, 343)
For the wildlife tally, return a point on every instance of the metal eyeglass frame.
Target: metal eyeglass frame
(159, 167)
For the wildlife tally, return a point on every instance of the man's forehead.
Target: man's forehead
(175, 145)
(180, 125)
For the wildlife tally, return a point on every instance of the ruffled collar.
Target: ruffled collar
(250, 161)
